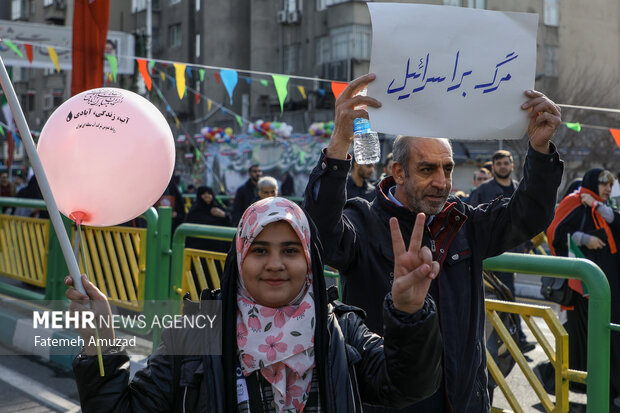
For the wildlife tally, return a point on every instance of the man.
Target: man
(7, 188)
(502, 182)
(387, 168)
(267, 186)
(480, 176)
(356, 237)
(247, 193)
(502, 185)
(358, 185)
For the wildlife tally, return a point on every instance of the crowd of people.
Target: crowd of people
(409, 334)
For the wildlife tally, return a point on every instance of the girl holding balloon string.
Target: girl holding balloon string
(285, 347)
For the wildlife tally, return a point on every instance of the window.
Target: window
(476, 4)
(551, 13)
(452, 3)
(323, 4)
(290, 58)
(174, 35)
(19, 9)
(155, 39)
(197, 45)
(350, 42)
(48, 3)
(174, 1)
(138, 5)
(551, 60)
(198, 5)
(322, 50)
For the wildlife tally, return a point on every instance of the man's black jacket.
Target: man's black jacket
(356, 240)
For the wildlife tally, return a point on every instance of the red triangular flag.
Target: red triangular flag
(337, 88)
(28, 48)
(616, 134)
(144, 71)
(197, 98)
(217, 77)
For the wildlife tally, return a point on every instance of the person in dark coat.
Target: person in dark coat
(357, 238)
(595, 228)
(207, 210)
(31, 191)
(285, 347)
(247, 193)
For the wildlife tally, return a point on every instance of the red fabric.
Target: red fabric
(197, 98)
(217, 77)
(10, 145)
(567, 206)
(90, 30)
(616, 135)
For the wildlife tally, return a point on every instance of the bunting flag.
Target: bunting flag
(90, 31)
(113, 61)
(162, 74)
(188, 70)
(239, 120)
(574, 126)
(615, 133)
(197, 98)
(302, 90)
(180, 79)
(281, 82)
(217, 77)
(2, 131)
(321, 92)
(248, 80)
(209, 105)
(54, 58)
(201, 72)
(337, 88)
(229, 78)
(264, 82)
(13, 47)
(302, 157)
(148, 82)
(151, 65)
(28, 48)
(176, 121)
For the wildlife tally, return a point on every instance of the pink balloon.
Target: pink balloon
(108, 153)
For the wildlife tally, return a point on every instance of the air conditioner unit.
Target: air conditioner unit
(281, 16)
(293, 16)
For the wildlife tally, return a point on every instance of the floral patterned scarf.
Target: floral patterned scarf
(277, 341)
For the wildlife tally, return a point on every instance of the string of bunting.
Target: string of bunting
(229, 78)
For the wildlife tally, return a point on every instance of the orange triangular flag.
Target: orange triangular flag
(28, 48)
(337, 88)
(144, 71)
(616, 135)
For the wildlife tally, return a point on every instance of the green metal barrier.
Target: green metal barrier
(599, 305)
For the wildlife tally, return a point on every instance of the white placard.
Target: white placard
(451, 72)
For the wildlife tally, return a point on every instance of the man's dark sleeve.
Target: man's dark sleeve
(238, 207)
(324, 200)
(474, 197)
(403, 367)
(503, 224)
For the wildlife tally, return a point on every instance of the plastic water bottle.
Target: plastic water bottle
(366, 147)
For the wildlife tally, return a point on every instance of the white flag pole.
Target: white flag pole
(33, 156)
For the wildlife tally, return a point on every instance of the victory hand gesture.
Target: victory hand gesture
(414, 268)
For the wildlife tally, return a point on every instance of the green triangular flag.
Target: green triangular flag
(264, 82)
(151, 64)
(197, 154)
(574, 126)
(13, 47)
(302, 157)
(202, 74)
(280, 82)
(239, 120)
(2, 131)
(113, 64)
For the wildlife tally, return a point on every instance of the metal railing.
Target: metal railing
(599, 325)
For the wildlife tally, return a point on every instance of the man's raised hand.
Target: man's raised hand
(348, 109)
(414, 268)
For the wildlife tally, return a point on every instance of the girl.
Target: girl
(284, 347)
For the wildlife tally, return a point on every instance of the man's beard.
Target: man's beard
(503, 176)
(423, 205)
